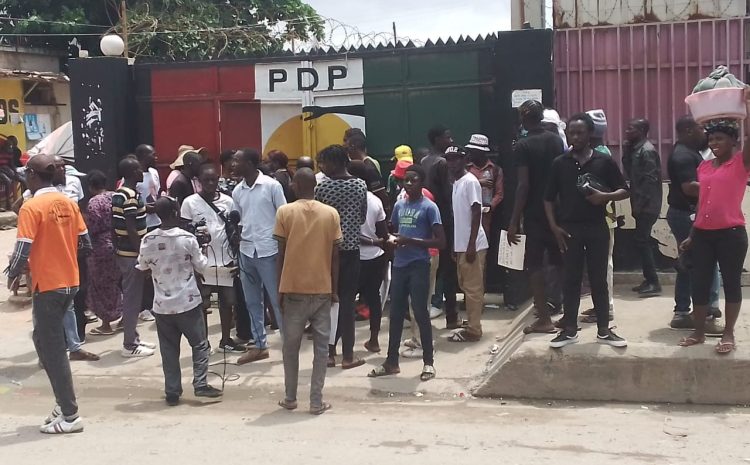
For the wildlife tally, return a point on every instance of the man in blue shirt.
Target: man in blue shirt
(417, 227)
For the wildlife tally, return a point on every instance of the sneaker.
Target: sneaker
(412, 343)
(62, 426)
(563, 339)
(714, 327)
(611, 339)
(146, 315)
(148, 345)
(412, 353)
(650, 290)
(139, 351)
(208, 391)
(173, 400)
(435, 312)
(640, 286)
(682, 321)
(231, 347)
(56, 412)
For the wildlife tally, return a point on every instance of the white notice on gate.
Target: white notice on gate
(511, 256)
(520, 96)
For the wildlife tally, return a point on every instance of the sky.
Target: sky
(418, 19)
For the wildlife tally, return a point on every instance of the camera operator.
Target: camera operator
(208, 212)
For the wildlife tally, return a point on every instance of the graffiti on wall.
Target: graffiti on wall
(306, 106)
(92, 129)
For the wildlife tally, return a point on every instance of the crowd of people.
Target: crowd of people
(293, 250)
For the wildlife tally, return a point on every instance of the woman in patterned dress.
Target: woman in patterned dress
(105, 294)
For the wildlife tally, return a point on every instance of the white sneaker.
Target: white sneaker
(146, 315)
(412, 343)
(412, 353)
(435, 312)
(56, 412)
(148, 345)
(139, 351)
(61, 426)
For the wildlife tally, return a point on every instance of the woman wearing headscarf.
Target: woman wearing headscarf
(719, 234)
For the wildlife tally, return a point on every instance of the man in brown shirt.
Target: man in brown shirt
(309, 234)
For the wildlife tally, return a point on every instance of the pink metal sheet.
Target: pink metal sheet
(643, 70)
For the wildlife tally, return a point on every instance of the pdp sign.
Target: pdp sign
(290, 81)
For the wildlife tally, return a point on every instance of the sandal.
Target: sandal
(724, 347)
(592, 318)
(428, 373)
(318, 410)
(532, 328)
(288, 405)
(589, 312)
(100, 332)
(691, 341)
(463, 335)
(357, 362)
(383, 370)
(457, 324)
(374, 348)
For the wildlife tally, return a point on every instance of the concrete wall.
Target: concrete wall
(29, 59)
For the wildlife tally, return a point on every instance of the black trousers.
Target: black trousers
(370, 279)
(728, 247)
(79, 302)
(589, 244)
(448, 274)
(241, 315)
(348, 285)
(644, 223)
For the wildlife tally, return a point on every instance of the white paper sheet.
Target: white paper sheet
(511, 256)
(334, 323)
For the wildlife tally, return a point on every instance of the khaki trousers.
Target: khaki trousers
(471, 281)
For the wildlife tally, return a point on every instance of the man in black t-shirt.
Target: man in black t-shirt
(534, 155)
(580, 226)
(682, 167)
(440, 184)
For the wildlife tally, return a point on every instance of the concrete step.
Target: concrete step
(653, 368)
(8, 220)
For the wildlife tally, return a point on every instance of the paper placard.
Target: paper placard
(511, 256)
(521, 95)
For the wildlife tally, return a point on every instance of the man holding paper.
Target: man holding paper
(213, 207)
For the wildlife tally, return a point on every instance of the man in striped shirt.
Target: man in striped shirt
(129, 223)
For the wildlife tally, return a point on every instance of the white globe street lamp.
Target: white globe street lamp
(112, 45)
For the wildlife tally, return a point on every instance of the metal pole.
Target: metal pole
(395, 37)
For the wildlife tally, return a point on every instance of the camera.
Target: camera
(200, 231)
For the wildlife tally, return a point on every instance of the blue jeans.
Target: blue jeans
(410, 282)
(257, 273)
(70, 325)
(680, 223)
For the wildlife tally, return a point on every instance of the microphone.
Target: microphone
(234, 217)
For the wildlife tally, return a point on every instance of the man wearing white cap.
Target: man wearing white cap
(489, 175)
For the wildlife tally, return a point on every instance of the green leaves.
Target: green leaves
(166, 29)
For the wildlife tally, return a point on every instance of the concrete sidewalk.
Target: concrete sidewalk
(653, 368)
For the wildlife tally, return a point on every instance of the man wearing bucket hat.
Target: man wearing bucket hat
(179, 162)
(489, 175)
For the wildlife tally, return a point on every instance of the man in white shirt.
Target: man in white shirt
(470, 242)
(174, 258)
(213, 208)
(257, 198)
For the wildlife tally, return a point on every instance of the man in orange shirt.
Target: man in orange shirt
(50, 232)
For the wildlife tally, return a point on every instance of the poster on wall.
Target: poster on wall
(38, 126)
(306, 106)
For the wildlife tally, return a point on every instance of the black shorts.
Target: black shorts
(540, 240)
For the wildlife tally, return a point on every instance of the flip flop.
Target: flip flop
(318, 410)
(357, 362)
(531, 329)
(370, 348)
(383, 370)
(285, 404)
(691, 341)
(724, 347)
(99, 332)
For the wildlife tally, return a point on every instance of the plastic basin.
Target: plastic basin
(728, 102)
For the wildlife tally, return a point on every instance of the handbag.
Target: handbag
(587, 182)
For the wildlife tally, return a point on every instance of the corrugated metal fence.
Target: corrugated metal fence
(643, 70)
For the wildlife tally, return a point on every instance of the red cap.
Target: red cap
(400, 171)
